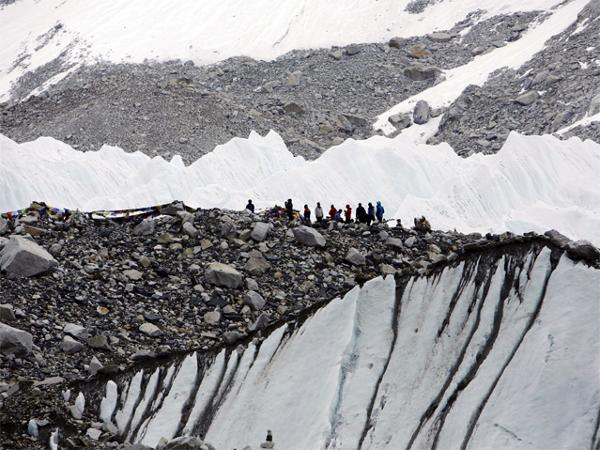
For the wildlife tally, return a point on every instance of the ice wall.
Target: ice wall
(499, 351)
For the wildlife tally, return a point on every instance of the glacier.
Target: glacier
(499, 350)
(533, 183)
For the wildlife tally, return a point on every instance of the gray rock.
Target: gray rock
(527, 98)
(395, 243)
(558, 239)
(22, 257)
(14, 341)
(260, 231)
(251, 284)
(440, 37)
(99, 342)
(93, 433)
(293, 108)
(149, 329)
(190, 229)
(355, 257)
(186, 443)
(230, 337)
(396, 42)
(70, 345)
(421, 72)
(421, 112)
(400, 120)
(7, 313)
(293, 79)
(254, 300)
(145, 228)
(584, 250)
(352, 50)
(309, 236)
(410, 241)
(3, 226)
(337, 54)
(257, 265)
(133, 275)
(77, 331)
(212, 317)
(223, 275)
(94, 366)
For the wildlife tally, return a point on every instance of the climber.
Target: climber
(306, 215)
(289, 207)
(332, 213)
(319, 213)
(379, 212)
(361, 214)
(370, 213)
(348, 214)
(338, 215)
(250, 206)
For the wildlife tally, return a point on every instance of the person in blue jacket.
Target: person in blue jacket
(370, 214)
(379, 212)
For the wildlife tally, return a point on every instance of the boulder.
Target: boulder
(145, 228)
(99, 342)
(212, 317)
(14, 341)
(421, 72)
(395, 243)
(223, 275)
(396, 42)
(231, 337)
(133, 275)
(190, 229)
(94, 366)
(421, 113)
(584, 250)
(293, 108)
(410, 241)
(149, 329)
(527, 98)
(172, 209)
(400, 120)
(22, 257)
(558, 239)
(257, 265)
(355, 257)
(254, 300)
(3, 226)
(70, 345)
(260, 231)
(440, 37)
(7, 313)
(309, 236)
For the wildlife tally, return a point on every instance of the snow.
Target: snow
(211, 30)
(513, 55)
(534, 183)
(162, 423)
(109, 402)
(467, 358)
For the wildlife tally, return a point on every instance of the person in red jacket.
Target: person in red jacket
(332, 213)
(348, 214)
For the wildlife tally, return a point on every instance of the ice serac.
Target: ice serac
(533, 183)
(499, 350)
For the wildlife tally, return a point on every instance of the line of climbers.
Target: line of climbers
(368, 216)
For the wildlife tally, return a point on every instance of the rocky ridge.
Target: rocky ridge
(127, 294)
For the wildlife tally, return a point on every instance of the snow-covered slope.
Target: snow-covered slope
(498, 352)
(34, 33)
(533, 183)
